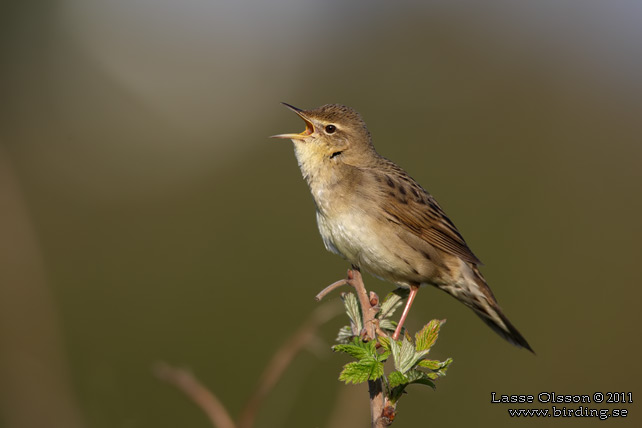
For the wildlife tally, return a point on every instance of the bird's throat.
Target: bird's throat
(320, 172)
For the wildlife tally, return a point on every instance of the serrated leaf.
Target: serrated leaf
(377, 370)
(384, 342)
(417, 376)
(355, 351)
(396, 378)
(383, 357)
(446, 364)
(354, 372)
(388, 325)
(414, 375)
(430, 364)
(358, 349)
(392, 301)
(426, 382)
(345, 334)
(397, 383)
(354, 311)
(427, 336)
(361, 371)
(404, 355)
(438, 366)
(395, 350)
(418, 357)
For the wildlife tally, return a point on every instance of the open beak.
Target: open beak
(309, 127)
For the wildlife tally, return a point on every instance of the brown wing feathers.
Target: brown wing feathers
(420, 213)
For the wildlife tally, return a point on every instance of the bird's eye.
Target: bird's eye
(330, 129)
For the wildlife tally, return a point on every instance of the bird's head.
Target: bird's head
(333, 132)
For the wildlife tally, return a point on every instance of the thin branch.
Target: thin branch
(34, 391)
(199, 394)
(375, 387)
(369, 321)
(282, 359)
(330, 288)
(209, 402)
(369, 310)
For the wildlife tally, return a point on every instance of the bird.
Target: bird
(373, 214)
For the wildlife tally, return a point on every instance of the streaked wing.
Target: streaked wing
(410, 206)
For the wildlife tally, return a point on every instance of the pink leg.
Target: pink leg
(411, 297)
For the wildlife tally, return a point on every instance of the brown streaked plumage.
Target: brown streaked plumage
(372, 213)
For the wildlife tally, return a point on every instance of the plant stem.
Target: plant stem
(375, 387)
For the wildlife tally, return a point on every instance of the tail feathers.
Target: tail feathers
(504, 328)
(485, 306)
(472, 290)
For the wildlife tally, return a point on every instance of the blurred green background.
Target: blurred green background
(146, 216)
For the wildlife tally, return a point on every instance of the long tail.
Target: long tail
(504, 327)
(476, 294)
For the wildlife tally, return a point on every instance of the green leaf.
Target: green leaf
(397, 383)
(396, 378)
(394, 394)
(352, 350)
(383, 357)
(385, 343)
(353, 310)
(430, 364)
(427, 337)
(396, 390)
(361, 371)
(345, 334)
(388, 325)
(426, 382)
(392, 301)
(395, 349)
(439, 367)
(358, 349)
(445, 365)
(404, 355)
(417, 376)
(355, 372)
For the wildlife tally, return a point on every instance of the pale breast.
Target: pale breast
(374, 246)
(353, 224)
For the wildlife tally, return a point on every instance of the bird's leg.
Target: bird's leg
(406, 309)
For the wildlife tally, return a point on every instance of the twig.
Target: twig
(330, 288)
(356, 280)
(281, 360)
(34, 391)
(203, 397)
(375, 387)
(212, 406)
